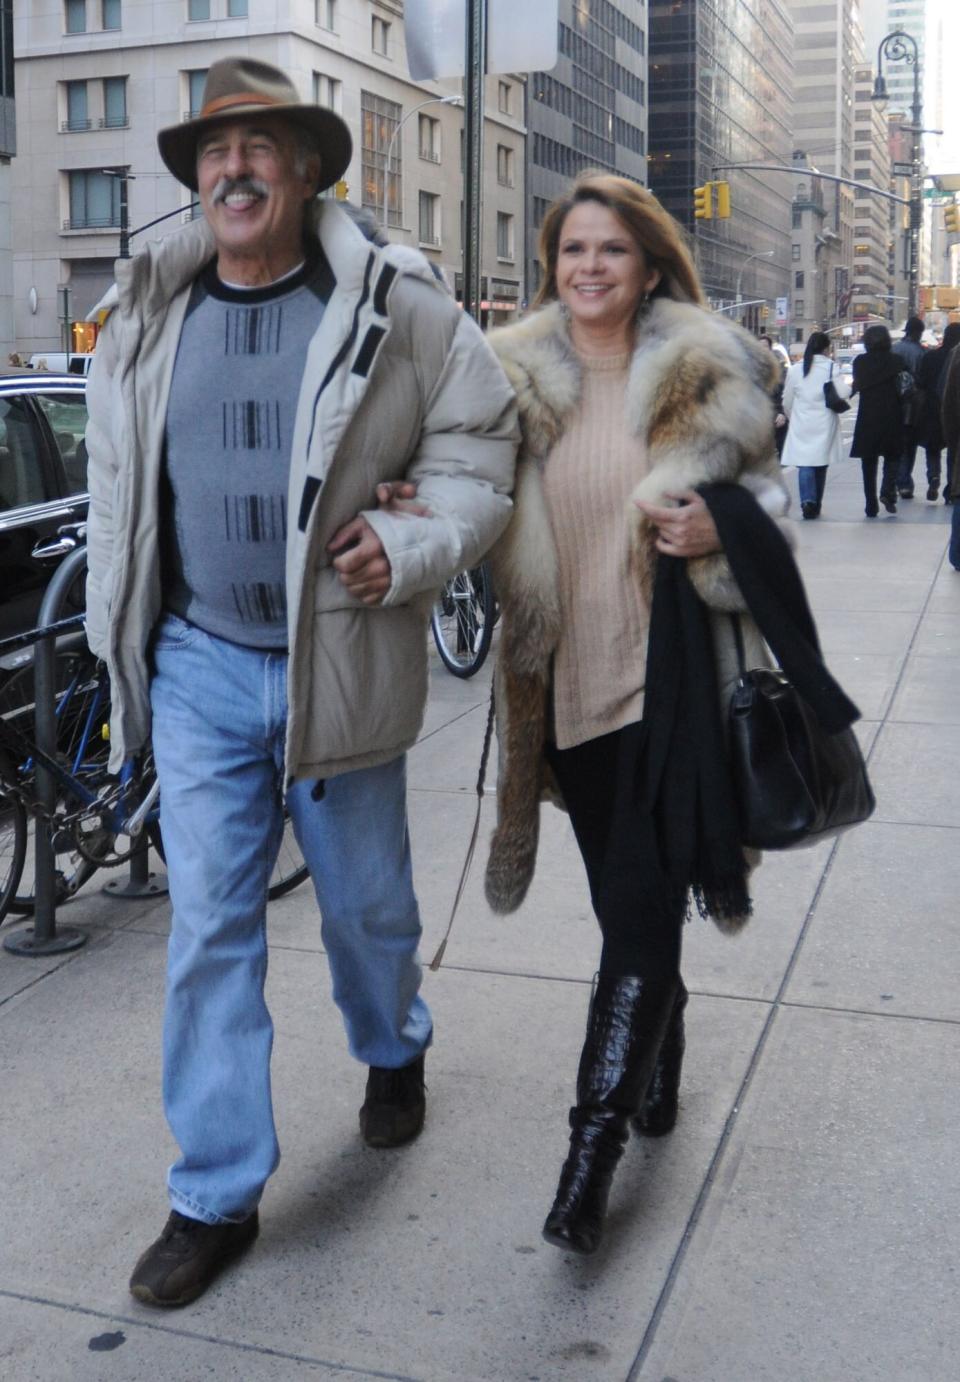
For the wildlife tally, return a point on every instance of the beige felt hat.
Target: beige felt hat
(238, 88)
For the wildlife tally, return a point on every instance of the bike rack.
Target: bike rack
(43, 938)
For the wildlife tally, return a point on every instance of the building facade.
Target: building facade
(721, 80)
(590, 111)
(872, 296)
(98, 78)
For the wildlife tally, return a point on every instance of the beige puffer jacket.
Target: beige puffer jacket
(397, 383)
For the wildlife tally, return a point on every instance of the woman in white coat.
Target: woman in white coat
(814, 438)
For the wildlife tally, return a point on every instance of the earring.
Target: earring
(564, 311)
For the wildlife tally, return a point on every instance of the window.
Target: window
(429, 219)
(380, 35)
(237, 9)
(504, 166)
(195, 83)
(21, 470)
(94, 200)
(504, 235)
(327, 91)
(76, 16)
(379, 121)
(77, 118)
(798, 279)
(794, 251)
(429, 139)
(504, 97)
(67, 416)
(114, 102)
(325, 14)
(198, 9)
(798, 307)
(110, 14)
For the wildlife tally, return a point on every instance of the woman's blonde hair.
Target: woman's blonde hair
(653, 229)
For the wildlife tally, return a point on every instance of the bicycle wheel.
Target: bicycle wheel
(462, 621)
(83, 710)
(288, 872)
(13, 848)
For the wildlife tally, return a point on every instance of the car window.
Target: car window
(67, 415)
(21, 473)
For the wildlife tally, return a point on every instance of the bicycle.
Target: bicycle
(462, 621)
(96, 820)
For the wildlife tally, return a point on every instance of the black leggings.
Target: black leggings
(633, 942)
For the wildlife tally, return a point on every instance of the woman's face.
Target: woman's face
(602, 273)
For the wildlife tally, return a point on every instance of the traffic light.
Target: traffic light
(723, 200)
(951, 218)
(703, 202)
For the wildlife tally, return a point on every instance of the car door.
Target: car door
(34, 507)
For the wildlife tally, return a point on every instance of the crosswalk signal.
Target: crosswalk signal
(951, 218)
(703, 202)
(723, 200)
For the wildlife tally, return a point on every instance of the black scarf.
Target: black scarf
(676, 828)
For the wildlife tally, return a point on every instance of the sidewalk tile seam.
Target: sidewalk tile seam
(135, 1322)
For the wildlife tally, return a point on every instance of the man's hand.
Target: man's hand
(360, 561)
(686, 531)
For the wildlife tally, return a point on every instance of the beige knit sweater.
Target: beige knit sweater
(600, 658)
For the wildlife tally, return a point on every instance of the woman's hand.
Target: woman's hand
(685, 531)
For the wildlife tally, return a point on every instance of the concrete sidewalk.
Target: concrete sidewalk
(799, 1226)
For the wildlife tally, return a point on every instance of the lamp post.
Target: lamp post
(760, 254)
(899, 46)
(433, 101)
(123, 176)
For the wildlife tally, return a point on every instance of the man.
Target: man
(911, 352)
(950, 418)
(269, 364)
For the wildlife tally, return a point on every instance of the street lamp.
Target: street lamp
(760, 254)
(124, 177)
(433, 101)
(899, 46)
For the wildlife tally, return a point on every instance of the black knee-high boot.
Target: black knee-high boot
(658, 1112)
(625, 1029)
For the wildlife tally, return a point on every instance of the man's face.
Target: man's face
(251, 191)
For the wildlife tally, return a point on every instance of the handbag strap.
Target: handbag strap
(738, 640)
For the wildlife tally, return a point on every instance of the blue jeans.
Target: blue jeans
(811, 482)
(219, 713)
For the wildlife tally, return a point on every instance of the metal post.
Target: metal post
(124, 218)
(140, 882)
(42, 938)
(474, 73)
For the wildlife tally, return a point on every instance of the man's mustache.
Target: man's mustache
(226, 186)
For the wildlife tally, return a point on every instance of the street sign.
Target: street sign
(520, 38)
(902, 170)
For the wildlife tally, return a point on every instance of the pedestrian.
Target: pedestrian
(264, 362)
(950, 415)
(631, 394)
(878, 430)
(815, 440)
(911, 352)
(781, 423)
(931, 380)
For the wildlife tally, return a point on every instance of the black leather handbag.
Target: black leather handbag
(794, 782)
(834, 402)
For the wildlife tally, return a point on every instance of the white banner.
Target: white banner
(520, 37)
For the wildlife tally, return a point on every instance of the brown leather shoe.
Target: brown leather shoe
(184, 1260)
(394, 1106)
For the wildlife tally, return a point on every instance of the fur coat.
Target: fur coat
(698, 393)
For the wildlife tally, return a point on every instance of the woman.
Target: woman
(630, 394)
(879, 429)
(814, 439)
(931, 378)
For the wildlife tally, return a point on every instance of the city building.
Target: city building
(96, 79)
(721, 82)
(590, 111)
(828, 49)
(872, 296)
(8, 148)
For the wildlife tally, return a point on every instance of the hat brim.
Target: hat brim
(178, 143)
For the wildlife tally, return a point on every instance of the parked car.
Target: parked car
(62, 362)
(43, 491)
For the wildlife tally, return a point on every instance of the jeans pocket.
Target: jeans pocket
(171, 633)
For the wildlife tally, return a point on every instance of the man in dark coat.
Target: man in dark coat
(879, 429)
